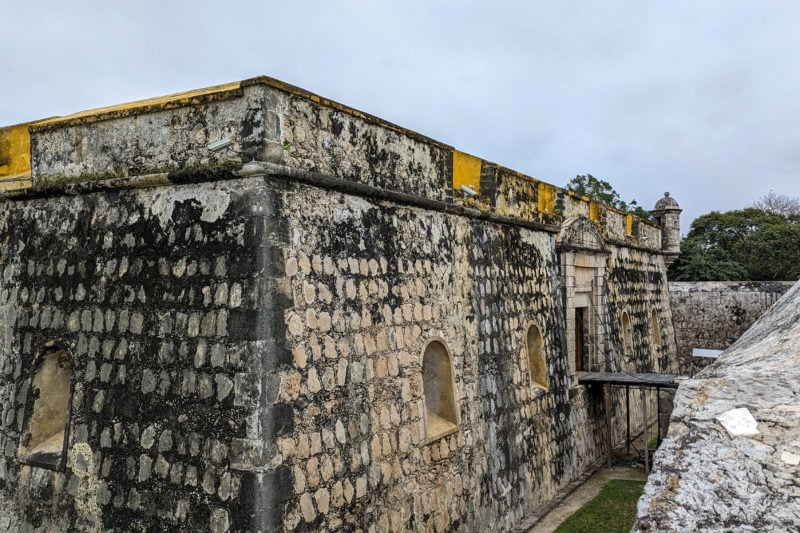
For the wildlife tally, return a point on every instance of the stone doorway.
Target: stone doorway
(582, 257)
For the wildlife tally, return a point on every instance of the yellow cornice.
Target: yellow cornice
(15, 151)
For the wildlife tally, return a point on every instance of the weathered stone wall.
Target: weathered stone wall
(638, 286)
(713, 314)
(267, 120)
(712, 476)
(153, 295)
(371, 285)
(158, 293)
(246, 348)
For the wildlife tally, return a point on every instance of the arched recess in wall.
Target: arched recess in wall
(46, 424)
(627, 334)
(438, 381)
(656, 328)
(537, 361)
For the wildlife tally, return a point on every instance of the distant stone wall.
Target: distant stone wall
(713, 314)
(710, 476)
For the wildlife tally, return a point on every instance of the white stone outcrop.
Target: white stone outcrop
(714, 472)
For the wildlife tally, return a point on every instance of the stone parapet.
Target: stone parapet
(268, 120)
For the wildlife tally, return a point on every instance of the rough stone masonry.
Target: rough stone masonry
(248, 308)
(713, 314)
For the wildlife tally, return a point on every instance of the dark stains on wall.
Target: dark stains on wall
(144, 305)
(344, 145)
(636, 286)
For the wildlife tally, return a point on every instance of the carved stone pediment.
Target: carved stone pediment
(580, 234)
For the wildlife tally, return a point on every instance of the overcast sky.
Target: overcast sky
(700, 98)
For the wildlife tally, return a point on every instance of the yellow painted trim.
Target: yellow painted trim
(576, 195)
(15, 151)
(466, 171)
(629, 224)
(594, 211)
(547, 198)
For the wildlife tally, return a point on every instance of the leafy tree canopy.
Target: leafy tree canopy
(602, 191)
(697, 264)
(746, 244)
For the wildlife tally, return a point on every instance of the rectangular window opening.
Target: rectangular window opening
(580, 338)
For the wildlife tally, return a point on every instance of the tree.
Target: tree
(602, 191)
(779, 204)
(775, 253)
(746, 244)
(728, 230)
(698, 264)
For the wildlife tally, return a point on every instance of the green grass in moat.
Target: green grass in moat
(613, 509)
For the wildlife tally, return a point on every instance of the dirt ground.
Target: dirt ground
(583, 494)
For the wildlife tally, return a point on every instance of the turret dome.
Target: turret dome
(667, 202)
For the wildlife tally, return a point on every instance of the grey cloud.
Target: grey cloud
(695, 98)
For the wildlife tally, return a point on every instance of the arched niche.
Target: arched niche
(537, 361)
(656, 327)
(438, 381)
(44, 437)
(627, 334)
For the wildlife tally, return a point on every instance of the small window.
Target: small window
(656, 328)
(627, 334)
(537, 363)
(439, 389)
(44, 440)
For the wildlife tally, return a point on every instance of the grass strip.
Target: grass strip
(612, 510)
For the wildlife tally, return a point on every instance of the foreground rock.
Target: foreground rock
(714, 471)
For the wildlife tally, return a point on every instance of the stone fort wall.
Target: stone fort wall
(713, 314)
(243, 346)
